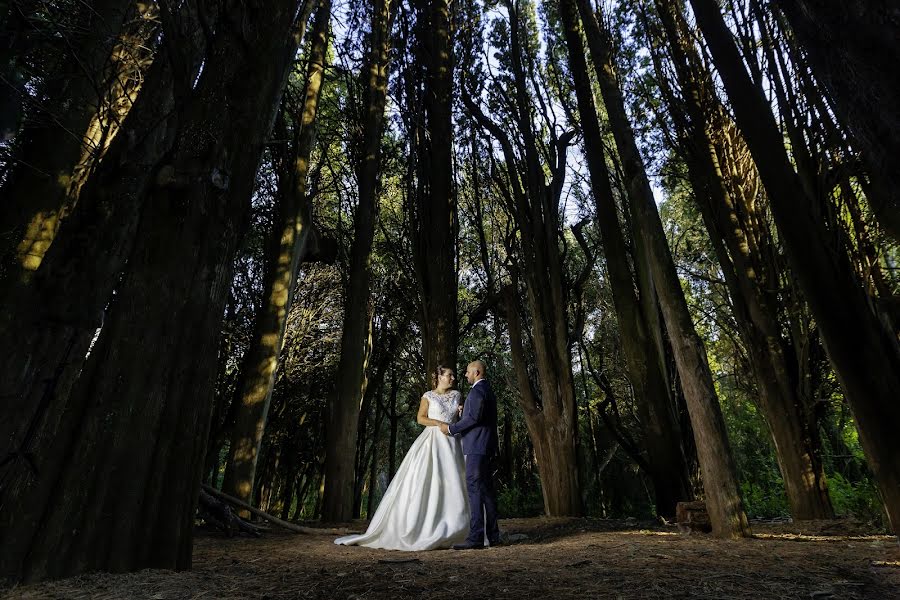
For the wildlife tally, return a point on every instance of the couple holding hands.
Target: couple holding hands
(443, 492)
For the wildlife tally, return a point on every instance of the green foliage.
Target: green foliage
(520, 501)
(858, 499)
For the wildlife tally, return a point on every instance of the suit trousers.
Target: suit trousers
(482, 499)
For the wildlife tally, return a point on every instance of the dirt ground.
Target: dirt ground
(550, 558)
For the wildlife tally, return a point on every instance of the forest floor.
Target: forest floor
(551, 558)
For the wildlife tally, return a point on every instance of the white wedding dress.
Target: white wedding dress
(426, 506)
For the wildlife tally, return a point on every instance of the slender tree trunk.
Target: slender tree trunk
(395, 421)
(719, 473)
(362, 457)
(729, 219)
(356, 336)
(290, 236)
(550, 426)
(856, 341)
(373, 464)
(668, 468)
(852, 46)
(116, 488)
(433, 221)
(288, 488)
(533, 197)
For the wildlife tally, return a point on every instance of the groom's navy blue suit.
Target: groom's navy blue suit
(478, 431)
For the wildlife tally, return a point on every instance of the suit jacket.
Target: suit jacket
(478, 425)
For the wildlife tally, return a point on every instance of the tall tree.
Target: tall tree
(350, 385)
(116, 487)
(288, 244)
(635, 298)
(81, 109)
(726, 186)
(857, 342)
(432, 212)
(532, 189)
(852, 47)
(716, 463)
(44, 337)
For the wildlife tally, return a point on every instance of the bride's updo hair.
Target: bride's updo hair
(441, 369)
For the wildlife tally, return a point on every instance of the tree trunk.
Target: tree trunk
(851, 47)
(856, 341)
(433, 219)
(551, 425)
(44, 337)
(289, 240)
(662, 436)
(356, 335)
(533, 192)
(741, 246)
(116, 488)
(395, 422)
(719, 473)
(83, 106)
(373, 464)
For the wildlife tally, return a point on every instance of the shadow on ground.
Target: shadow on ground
(551, 558)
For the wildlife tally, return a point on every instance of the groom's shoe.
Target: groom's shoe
(468, 546)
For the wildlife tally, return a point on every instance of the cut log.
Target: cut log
(692, 517)
(274, 520)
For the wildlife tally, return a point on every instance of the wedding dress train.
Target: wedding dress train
(426, 506)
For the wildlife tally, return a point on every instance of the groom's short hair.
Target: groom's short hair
(479, 364)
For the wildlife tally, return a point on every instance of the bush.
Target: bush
(513, 501)
(856, 499)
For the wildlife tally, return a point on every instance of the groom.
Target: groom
(478, 429)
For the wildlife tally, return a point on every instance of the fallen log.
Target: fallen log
(220, 515)
(274, 520)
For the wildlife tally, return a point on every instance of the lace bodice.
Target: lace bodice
(442, 407)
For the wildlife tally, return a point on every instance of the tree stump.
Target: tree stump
(692, 517)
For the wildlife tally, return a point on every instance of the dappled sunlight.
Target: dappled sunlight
(804, 537)
(37, 239)
(648, 532)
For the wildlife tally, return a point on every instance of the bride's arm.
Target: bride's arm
(422, 417)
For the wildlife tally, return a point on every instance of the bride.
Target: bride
(426, 506)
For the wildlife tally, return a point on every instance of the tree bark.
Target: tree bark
(292, 226)
(852, 47)
(84, 104)
(719, 473)
(394, 418)
(433, 220)
(44, 337)
(373, 463)
(533, 198)
(742, 243)
(127, 458)
(636, 313)
(350, 385)
(856, 341)
(550, 425)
